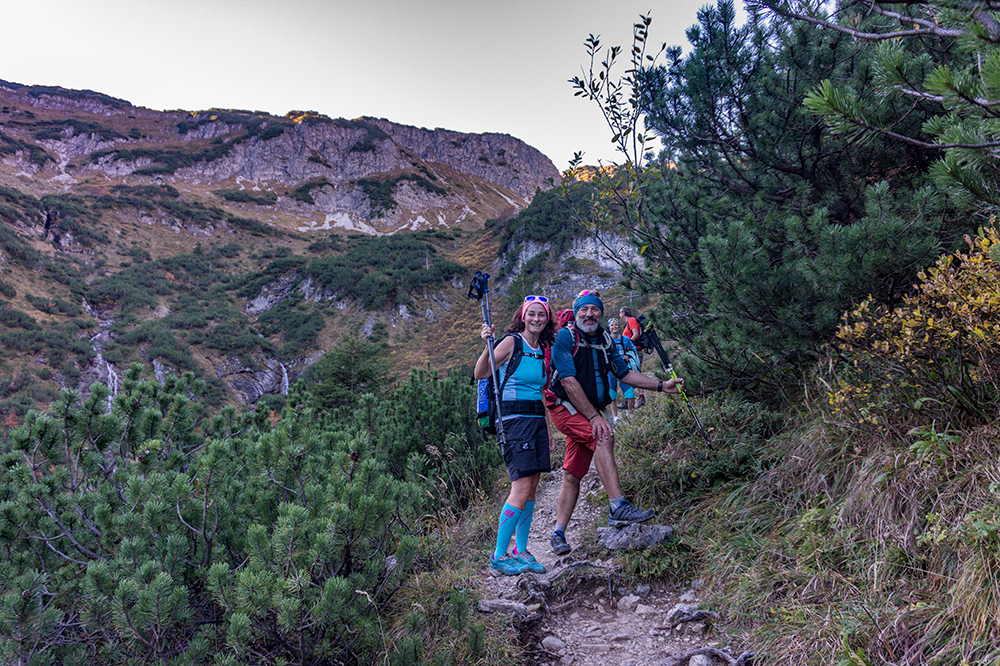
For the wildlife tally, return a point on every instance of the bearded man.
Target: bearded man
(582, 356)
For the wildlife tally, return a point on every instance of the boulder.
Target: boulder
(634, 536)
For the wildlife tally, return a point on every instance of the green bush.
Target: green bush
(429, 430)
(250, 285)
(54, 305)
(379, 190)
(36, 154)
(229, 250)
(152, 565)
(221, 537)
(81, 95)
(298, 327)
(254, 227)
(70, 213)
(272, 132)
(146, 191)
(53, 129)
(12, 318)
(233, 338)
(17, 206)
(303, 193)
(16, 248)
(350, 369)
(162, 344)
(243, 196)
(276, 253)
(372, 134)
(377, 271)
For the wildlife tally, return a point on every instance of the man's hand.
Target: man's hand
(673, 385)
(601, 428)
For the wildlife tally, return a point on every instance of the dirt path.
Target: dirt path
(582, 616)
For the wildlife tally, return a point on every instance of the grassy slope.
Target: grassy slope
(444, 344)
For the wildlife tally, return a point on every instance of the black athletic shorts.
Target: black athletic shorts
(527, 450)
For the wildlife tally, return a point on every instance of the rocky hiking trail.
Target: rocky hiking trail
(578, 612)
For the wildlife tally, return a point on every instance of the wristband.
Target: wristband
(591, 419)
(659, 387)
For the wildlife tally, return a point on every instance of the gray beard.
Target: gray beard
(587, 329)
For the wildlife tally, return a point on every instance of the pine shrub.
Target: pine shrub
(151, 534)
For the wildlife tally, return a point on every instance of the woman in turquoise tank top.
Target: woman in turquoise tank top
(525, 424)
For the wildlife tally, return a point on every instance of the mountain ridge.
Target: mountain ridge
(369, 174)
(234, 244)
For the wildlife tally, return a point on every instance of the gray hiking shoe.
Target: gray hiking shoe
(558, 543)
(626, 515)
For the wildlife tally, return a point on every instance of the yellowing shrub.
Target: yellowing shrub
(933, 358)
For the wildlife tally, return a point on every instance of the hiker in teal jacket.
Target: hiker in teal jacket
(528, 438)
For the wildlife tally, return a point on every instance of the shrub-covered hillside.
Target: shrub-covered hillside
(238, 309)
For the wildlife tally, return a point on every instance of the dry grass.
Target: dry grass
(848, 548)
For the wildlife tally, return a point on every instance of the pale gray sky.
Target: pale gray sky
(465, 65)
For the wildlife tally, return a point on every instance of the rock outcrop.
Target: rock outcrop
(367, 175)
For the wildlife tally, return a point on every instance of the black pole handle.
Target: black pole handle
(479, 289)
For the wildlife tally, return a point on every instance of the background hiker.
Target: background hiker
(522, 370)
(631, 356)
(582, 357)
(633, 331)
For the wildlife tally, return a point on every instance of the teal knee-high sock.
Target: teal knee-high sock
(523, 526)
(508, 524)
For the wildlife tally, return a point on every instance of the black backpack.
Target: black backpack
(486, 407)
(556, 391)
(644, 342)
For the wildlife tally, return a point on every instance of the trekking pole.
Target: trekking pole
(655, 340)
(479, 289)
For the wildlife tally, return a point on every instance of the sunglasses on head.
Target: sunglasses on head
(589, 292)
(535, 299)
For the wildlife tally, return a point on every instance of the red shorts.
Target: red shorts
(580, 442)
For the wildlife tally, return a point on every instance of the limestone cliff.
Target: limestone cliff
(304, 170)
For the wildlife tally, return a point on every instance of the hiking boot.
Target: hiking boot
(640, 401)
(534, 566)
(508, 565)
(558, 543)
(626, 515)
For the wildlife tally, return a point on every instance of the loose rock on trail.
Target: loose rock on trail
(577, 612)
